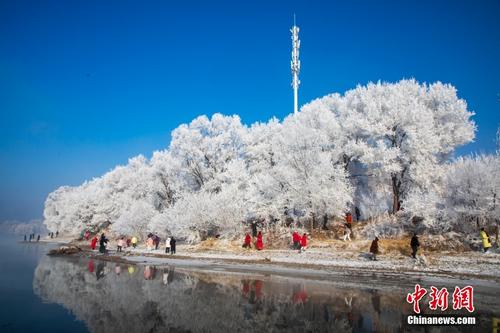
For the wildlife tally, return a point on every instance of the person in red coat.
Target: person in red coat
(348, 224)
(296, 240)
(348, 220)
(93, 243)
(260, 244)
(303, 242)
(248, 241)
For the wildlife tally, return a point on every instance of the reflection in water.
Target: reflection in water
(157, 299)
(99, 273)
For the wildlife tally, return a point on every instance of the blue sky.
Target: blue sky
(84, 85)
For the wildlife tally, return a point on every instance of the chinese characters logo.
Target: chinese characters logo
(463, 298)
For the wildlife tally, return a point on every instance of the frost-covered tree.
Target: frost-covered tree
(307, 164)
(104, 200)
(205, 147)
(376, 147)
(400, 132)
(472, 191)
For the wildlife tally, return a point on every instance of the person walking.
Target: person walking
(486, 239)
(248, 241)
(172, 245)
(348, 224)
(348, 220)
(254, 229)
(374, 249)
(25, 238)
(156, 241)
(93, 243)
(119, 245)
(38, 238)
(415, 244)
(296, 240)
(259, 244)
(57, 233)
(102, 244)
(303, 242)
(167, 245)
(357, 212)
(150, 243)
(134, 242)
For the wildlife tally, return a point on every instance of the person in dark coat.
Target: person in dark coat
(157, 241)
(254, 229)
(25, 238)
(172, 245)
(357, 212)
(38, 238)
(102, 243)
(415, 244)
(374, 248)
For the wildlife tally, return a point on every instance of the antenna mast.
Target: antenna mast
(295, 64)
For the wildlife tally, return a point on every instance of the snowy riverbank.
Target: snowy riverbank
(317, 262)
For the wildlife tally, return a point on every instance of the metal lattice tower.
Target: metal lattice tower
(498, 140)
(295, 65)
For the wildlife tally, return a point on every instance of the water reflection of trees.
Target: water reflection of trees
(158, 299)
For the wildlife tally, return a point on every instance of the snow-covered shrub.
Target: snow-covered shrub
(384, 226)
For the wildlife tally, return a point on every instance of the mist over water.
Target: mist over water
(78, 294)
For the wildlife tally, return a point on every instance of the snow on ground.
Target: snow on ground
(324, 261)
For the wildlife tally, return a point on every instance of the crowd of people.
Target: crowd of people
(300, 242)
(32, 238)
(152, 243)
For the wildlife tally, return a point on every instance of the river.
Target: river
(72, 294)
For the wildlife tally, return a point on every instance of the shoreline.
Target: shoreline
(313, 263)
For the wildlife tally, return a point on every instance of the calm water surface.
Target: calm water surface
(47, 294)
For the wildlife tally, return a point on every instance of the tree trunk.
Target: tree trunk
(325, 222)
(395, 195)
(313, 222)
